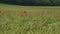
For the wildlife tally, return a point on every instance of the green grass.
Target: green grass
(12, 23)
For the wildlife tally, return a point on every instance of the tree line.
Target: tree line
(32, 2)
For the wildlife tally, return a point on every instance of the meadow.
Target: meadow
(15, 19)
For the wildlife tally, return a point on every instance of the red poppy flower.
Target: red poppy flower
(42, 25)
(26, 13)
(1, 12)
(23, 13)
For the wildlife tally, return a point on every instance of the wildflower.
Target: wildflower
(1, 12)
(42, 25)
(23, 13)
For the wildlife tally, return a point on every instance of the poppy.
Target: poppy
(23, 13)
(42, 25)
(1, 12)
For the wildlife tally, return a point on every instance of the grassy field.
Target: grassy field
(16, 19)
